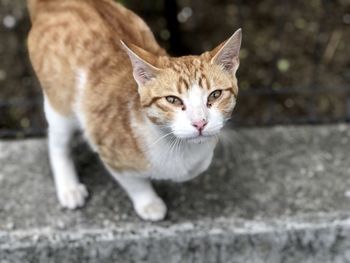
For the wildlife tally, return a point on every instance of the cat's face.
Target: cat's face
(193, 102)
(192, 97)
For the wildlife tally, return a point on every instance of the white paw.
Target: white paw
(73, 196)
(154, 210)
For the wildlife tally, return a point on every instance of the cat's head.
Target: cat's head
(192, 96)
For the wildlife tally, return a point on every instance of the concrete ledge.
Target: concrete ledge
(272, 195)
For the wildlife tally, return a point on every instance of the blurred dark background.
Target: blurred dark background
(295, 57)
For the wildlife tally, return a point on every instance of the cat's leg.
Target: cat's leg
(147, 204)
(70, 192)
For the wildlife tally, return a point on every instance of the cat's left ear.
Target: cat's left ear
(143, 71)
(226, 55)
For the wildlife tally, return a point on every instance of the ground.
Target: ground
(280, 193)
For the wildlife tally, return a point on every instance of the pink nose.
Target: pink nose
(200, 124)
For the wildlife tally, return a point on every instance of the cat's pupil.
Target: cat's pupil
(170, 99)
(217, 94)
(214, 95)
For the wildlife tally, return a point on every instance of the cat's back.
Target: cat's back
(107, 16)
(68, 35)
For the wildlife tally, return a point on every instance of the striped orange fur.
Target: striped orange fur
(119, 92)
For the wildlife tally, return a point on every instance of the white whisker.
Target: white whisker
(159, 139)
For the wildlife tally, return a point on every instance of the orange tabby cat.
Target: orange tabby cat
(146, 114)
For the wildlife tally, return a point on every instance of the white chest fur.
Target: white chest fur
(177, 160)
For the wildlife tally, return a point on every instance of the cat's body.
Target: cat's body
(138, 128)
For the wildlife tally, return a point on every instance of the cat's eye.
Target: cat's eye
(214, 96)
(174, 100)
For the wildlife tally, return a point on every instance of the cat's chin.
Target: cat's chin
(199, 139)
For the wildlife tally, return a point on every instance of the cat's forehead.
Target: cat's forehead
(188, 65)
(191, 71)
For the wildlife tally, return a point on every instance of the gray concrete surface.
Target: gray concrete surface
(271, 195)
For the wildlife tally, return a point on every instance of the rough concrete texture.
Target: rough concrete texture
(271, 195)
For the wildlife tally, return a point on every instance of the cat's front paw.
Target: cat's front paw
(154, 210)
(73, 196)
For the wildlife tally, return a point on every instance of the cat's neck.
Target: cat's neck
(173, 158)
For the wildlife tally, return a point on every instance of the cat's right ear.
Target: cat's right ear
(143, 71)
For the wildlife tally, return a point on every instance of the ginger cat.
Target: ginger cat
(146, 114)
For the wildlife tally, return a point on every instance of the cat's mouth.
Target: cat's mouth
(197, 137)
